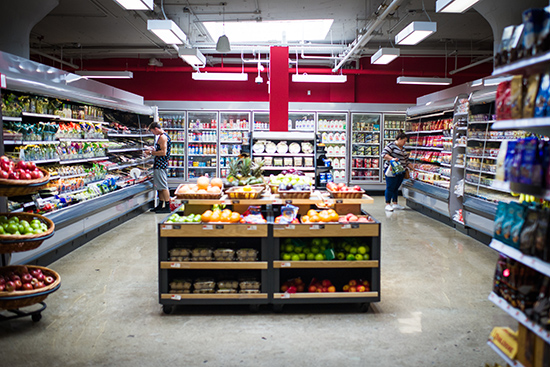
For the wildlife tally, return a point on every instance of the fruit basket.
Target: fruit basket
(294, 194)
(12, 187)
(18, 243)
(346, 194)
(197, 195)
(23, 298)
(244, 193)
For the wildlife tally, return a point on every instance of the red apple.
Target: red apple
(14, 277)
(36, 272)
(27, 287)
(26, 278)
(363, 220)
(4, 159)
(18, 284)
(352, 289)
(49, 280)
(357, 188)
(39, 173)
(352, 283)
(284, 288)
(361, 288)
(21, 165)
(31, 166)
(312, 289)
(10, 286)
(13, 176)
(2, 287)
(291, 289)
(353, 218)
(4, 174)
(2, 280)
(38, 285)
(326, 283)
(365, 283)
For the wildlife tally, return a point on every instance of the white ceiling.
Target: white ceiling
(85, 29)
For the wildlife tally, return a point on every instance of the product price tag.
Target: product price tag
(3, 81)
(277, 202)
(175, 265)
(176, 226)
(176, 297)
(339, 201)
(290, 226)
(288, 201)
(346, 226)
(185, 202)
(252, 228)
(166, 226)
(285, 295)
(285, 265)
(354, 225)
(329, 202)
(227, 202)
(278, 227)
(317, 226)
(219, 226)
(207, 227)
(236, 201)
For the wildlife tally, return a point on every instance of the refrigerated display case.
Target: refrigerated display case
(261, 121)
(234, 137)
(365, 148)
(282, 151)
(301, 121)
(174, 125)
(332, 134)
(202, 144)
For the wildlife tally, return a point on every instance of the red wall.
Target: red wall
(368, 84)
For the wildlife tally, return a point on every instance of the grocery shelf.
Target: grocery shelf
(502, 355)
(213, 230)
(424, 132)
(366, 144)
(124, 150)
(113, 167)
(445, 164)
(202, 128)
(480, 171)
(326, 230)
(365, 168)
(325, 264)
(202, 155)
(221, 296)
(488, 140)
(283, 154)
(336, 156)
(46, 116)
(174, 128)
(460, 146)
(539, 61)
(250, 265)
(41, 161)
(12, 118)
(464, 128)
(325, 295)
(530, 190)
(231, 142)
(83, 160)
(538, 124)
(481, 122)
(520, 317)
(84, 140)
(68, 176)
(481, 157)
(365, 156)
(497, 187)
(118, 135)
(531, 261)
(423, 148)
(286, 168)
(192, 167)
(30, 142)
(446, 152)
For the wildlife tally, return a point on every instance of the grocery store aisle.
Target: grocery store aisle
(434, 310)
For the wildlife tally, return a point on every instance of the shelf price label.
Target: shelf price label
(290, 226)
(3, 81)
(339, 201)
(227, 202)
(285, 295)
(286, 265)
(175, 265)
(176, 297)
(207, 227)
(277, 202)
(317, 226)
(252, 228)
(346, 226)
(166, 226)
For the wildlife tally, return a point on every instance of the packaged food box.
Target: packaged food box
(247, 254)
(249, 284)
(249, 291)
(224, 254)
(226, 291)
(179, 258)
(204, 283)
(201, 252)
(228, 284)
(180, 285)
(180, 252)
(206, 290)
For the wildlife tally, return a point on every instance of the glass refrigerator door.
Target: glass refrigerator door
(234, 137)
(332, 133)
(261, 121)
(202, 147)
(301, 121)
(393, 124)
(365, 148)
(174, 125)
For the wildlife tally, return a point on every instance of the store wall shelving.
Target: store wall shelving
(366, 147)
(332, 134)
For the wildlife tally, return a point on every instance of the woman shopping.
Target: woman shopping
(395, 151)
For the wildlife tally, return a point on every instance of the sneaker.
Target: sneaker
(156, 208)
(397, 206)
(389, 208)
(163, 210)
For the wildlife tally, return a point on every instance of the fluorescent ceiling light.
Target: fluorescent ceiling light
(496, 81)
(192, 56)
(240, 77)
(105, 74)
(319, 78)
(453, 6)
(137, 4)
(271, 30)
(384, 56)
(167, 30)
(415, 32)
(423, 80)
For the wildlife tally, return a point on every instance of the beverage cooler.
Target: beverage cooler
(301, 121)
(261, 121)
(332, 135)
(202, 145)
(234, 137)
(365, 162)
(174, 125)
(393, 124)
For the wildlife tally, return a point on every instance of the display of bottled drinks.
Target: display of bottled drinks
(178, 149)
(172, 121)
(202, 149)
(206, 163)
(234, 137)
(198, 124)
(176, 135)
(230, 149)
(235, 124)
(394, 125)
(176, 162)
(207, 136)
(175, 172)
(338, 125)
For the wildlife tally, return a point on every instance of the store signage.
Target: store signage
(3, 81)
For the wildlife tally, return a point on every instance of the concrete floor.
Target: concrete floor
(434, 310)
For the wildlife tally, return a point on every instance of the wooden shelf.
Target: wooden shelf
(213, 230)
(255, 265)
(325, 295)
(178, 297)
(327, 230)
(281, 264)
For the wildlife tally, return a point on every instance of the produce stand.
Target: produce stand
(269, 269)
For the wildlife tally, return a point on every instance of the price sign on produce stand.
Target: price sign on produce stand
(3, 81)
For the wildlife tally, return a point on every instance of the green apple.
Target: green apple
(347, 247)
(319, 257)
(316, 242)
(315, 250)
(358, 257)
(12, 228)
(2, 231)
(289, 248)
(298, 249)
(366, 257)
(341, 256)
(306, 250)
(325, 242)
(362, 250)
(350, 257)
(287, 257)
(302, 256)
(3, 219)
(353, 250)
(295, 257)
(310, 256)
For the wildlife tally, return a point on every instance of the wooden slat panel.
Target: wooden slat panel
(325, 264)
(215, 296)
(325, 295)
(326, 230)
(213, 265)
(213, 230)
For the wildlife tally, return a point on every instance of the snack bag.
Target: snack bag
(516, 97)
(541, 235)
(509, 221)
(517, 225)
(288, 214)
(541, 102)
(530, 172)
(530, 94)
(502, 210)
(527, 237)
(502, 103)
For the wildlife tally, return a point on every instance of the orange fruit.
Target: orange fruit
(305, 218)
(183, 189)
(314, 218)
(202, 191)
(227, 212)
(203, 182)
(206, 216)
(324, 216)
(311, 212)
(333, 215)
(216, 216)
(235, 217)
(217, 182)
(193, 188)
(213, 190)
(225, 216)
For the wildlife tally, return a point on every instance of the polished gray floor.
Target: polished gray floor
(434, 310)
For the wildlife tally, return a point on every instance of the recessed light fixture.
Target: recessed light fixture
(192, 56)
(167, 30)
(239, 77)
(100, 74)
(137, 4)
(415, 32)
(384, 56)
(423, 80)
(319, 78)
(453, 6)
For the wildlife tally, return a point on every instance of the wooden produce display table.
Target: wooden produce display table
(269, 269)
